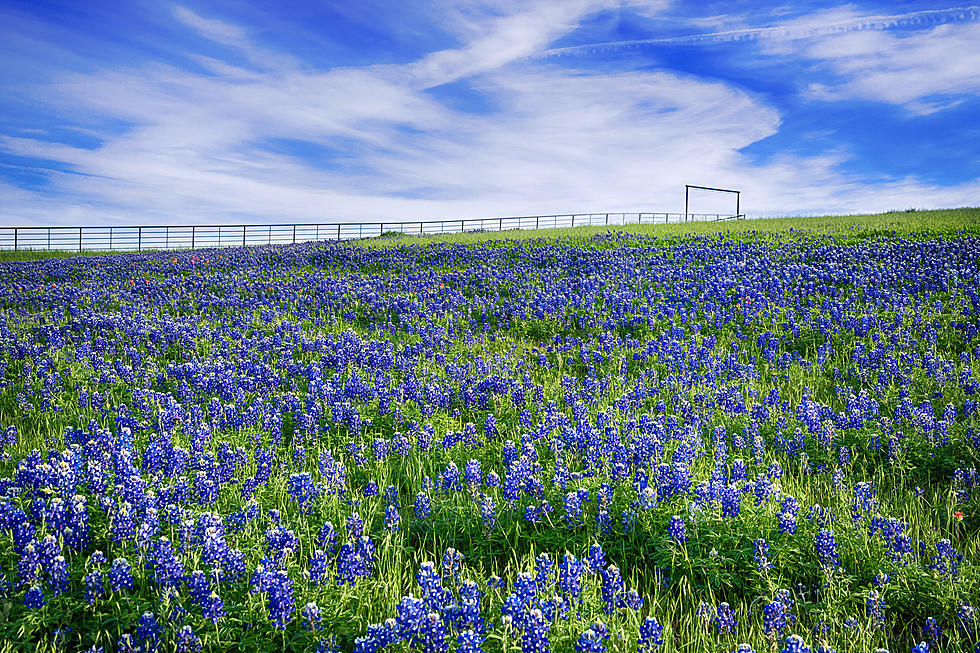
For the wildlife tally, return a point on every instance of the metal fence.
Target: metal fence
(155, 237)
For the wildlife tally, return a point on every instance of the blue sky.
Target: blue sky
(151, 112)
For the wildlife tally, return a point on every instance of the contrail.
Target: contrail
(860, 24)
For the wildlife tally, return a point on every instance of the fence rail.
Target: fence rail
(155, 237)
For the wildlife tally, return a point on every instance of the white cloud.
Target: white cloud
(215, 30)
(919, 59)
(234, 37)
(922, 70)
(557, 140)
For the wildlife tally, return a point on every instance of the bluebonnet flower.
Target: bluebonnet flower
(705, 612)
(469, 641)
(570, 577)
(312, 616)
(593, 640)
(163, 565)
(94, 583)
(795, 644)
(467, 613)
(29, 563)
(789, 508)
(543, 572)
(58, 575)
(946, 562)
(826, 547)
(303, 490)
(355, 526)
(864, 502)
(318, 567)
(604, 521)
(279, 595)
(213, 607)
(775, 618)
(966, 618)
(123, 526)
(188, 641)
(573, 510)
(452, 564)
(677, 529)
(725, 620)
(199, 586)
(148, 632)
(633, 600)
(762, 555)
(596, 560)
(392, 518)
(327, 537)
(931, 630)
(391, 497)
(473, 474)
(651, 636)
(613, 589)
(34, 597)
(762, 489)
(875, 607)
(422, 506)
(356, 560)
(534, 639)
(731, 502)
(488, 511)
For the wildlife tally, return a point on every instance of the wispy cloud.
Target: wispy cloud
(844, 20)
(251, 133)
(925, 71)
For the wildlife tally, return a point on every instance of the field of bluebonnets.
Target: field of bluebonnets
(758, 440)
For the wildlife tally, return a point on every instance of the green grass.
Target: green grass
(222, 318)
(937, 222)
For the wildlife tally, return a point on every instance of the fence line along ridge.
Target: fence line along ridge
(145, 237)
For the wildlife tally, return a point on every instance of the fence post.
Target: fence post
(338, 231)
(15, 239)
(294, 234)
(243, 235)
(79, 239)
(139, 239)
(270, 235)
(110, 238)
(167, 237)
(573, 219)
(193, 234)
(500, 225)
